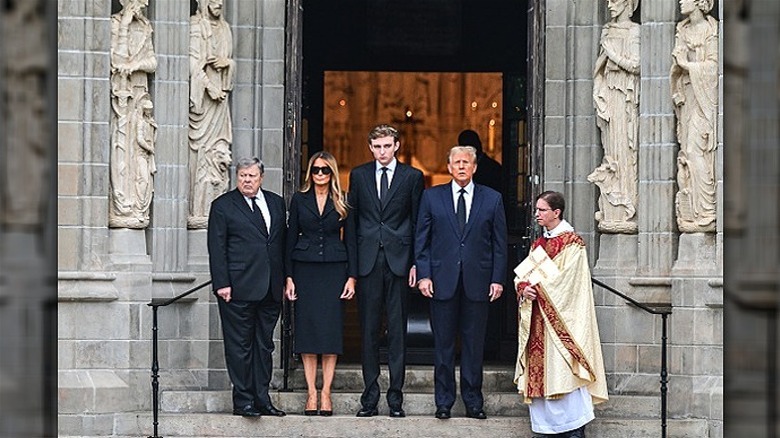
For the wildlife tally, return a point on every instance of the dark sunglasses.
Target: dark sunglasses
(325, 170)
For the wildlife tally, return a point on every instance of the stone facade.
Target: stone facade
(659, 264)
(107, 276)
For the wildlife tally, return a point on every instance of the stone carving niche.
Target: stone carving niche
(694, 87)
(616, 99)
(133, 129)
(212, 72)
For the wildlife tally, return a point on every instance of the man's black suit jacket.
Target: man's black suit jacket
(391, 225)
(242, 254)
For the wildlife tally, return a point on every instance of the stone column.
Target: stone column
(168, 235)
(697, 272)
(570, 135)
(657, 148)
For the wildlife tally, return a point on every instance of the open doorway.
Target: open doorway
(429, 109)
(431, 68)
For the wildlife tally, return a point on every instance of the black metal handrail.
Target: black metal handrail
(155, 304)
(664, 311)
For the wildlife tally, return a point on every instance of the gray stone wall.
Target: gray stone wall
(106, 276)
(657, 265)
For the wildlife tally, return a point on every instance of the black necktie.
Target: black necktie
(259, 213)
(461, 211)
(383, 185)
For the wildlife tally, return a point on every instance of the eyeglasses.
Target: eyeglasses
(325, 170)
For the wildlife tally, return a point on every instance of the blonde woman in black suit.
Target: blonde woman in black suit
(321, 274)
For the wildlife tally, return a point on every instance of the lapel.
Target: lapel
(449, 206)
(275, 214)
(369, 182)
(246, 210)
(310, 202)
(476, 205)
(400, 174)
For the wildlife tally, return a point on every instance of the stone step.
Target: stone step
(347, 426)
(506, 404)
(419, 378)
(501, 398)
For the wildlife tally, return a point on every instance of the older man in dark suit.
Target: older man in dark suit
(384, 196)
(246, 236)
(460, 250)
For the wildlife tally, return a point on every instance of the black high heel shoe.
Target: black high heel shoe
(311, 412)
(326, 412)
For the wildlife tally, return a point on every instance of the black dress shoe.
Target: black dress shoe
(479, 414)
(311, 412)
(443, 414)
(397, 412)
(271, 410)
(368, 412)
(326, 413)
(246, 411)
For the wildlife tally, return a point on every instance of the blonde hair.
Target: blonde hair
(336, 194)
(471, 150)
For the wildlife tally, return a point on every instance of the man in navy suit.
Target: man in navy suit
(246, 237)
(384, 196)
(461, 258)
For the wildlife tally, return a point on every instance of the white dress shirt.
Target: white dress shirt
(390, 172)
(263, 208)
(468, 196)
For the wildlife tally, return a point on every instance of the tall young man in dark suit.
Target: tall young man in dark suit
(384, 196)
(460, 251)
(246, 237)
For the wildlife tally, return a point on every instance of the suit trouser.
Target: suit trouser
(458, 315)
(382, 289)
(247, 329)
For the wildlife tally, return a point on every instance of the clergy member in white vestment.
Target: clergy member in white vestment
(559, 370)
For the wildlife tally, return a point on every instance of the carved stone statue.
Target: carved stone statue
(145, 168)
(694, 86)
(210, 135)
(616, 98)
(132, 59)
(26, 166)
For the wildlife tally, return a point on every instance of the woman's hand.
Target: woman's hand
(289, 290)
(349, 289)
